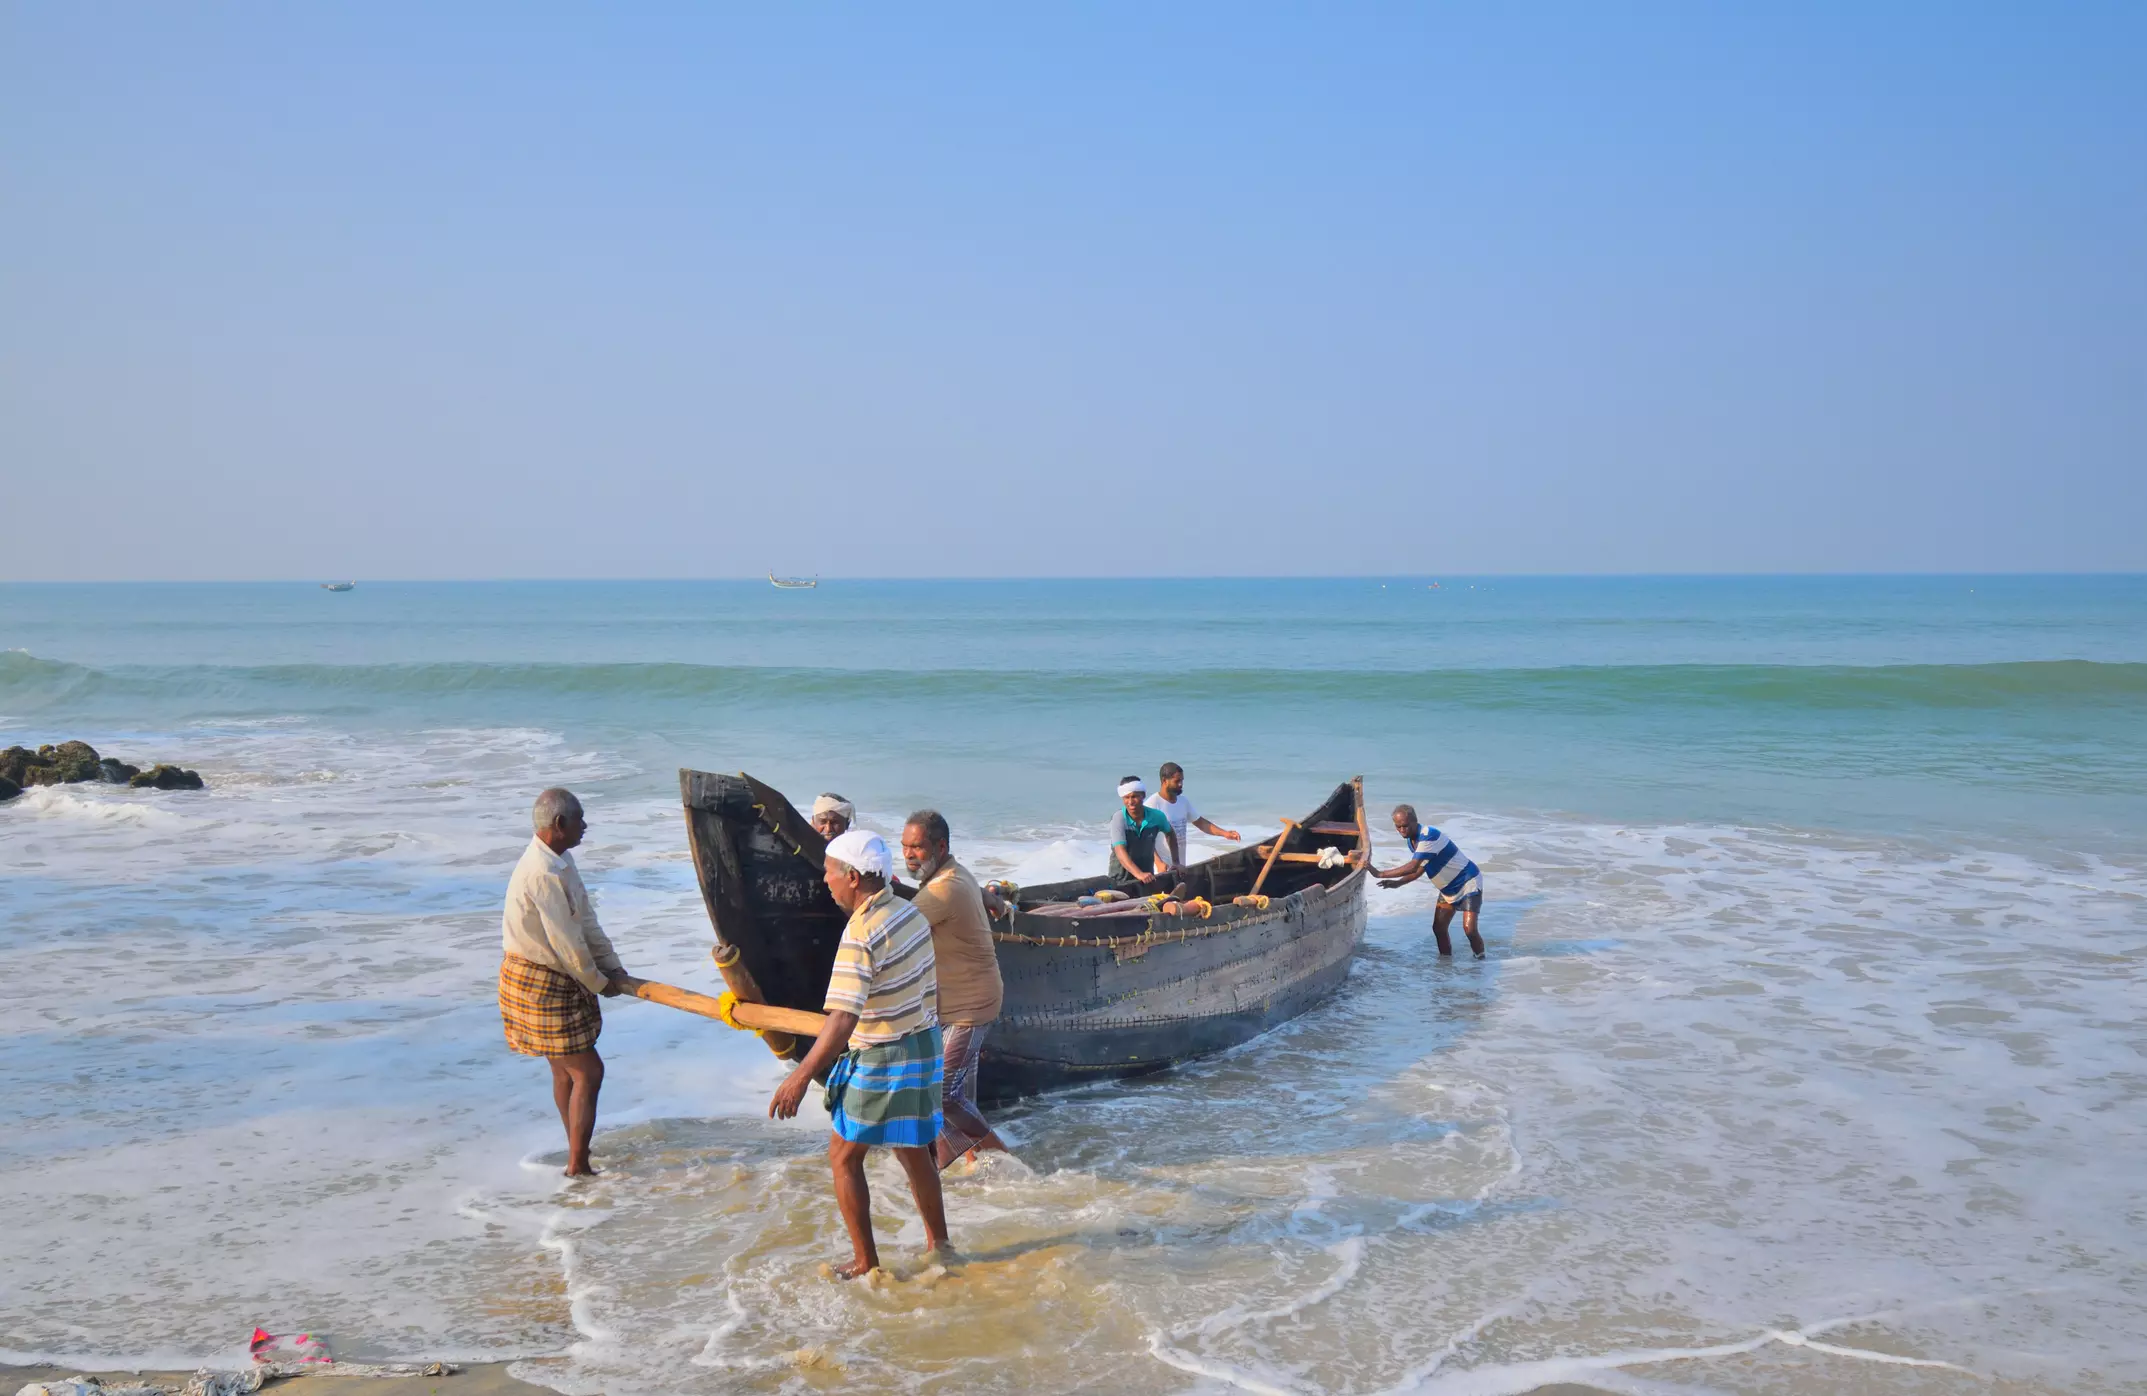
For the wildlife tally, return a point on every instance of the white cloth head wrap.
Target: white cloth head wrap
(834, 804)
(864, 851)
(1132, 787)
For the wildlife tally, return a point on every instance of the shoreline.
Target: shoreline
(473, 1379)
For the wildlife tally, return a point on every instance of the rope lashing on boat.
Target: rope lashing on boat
(1147, 937)
(727, 1006)
(775, 827)
(1257, 902)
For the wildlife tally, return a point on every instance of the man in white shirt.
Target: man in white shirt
(1177, 807)
(555, 959)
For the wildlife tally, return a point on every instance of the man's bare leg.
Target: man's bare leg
(1468, 926)
(1441, 918)
(923, 1172)
(853, 1198)
(577, 1077)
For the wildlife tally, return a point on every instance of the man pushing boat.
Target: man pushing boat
(967, 966)
(1134, 831)
(880, 1048)
(1174, 804)
(1434, 856)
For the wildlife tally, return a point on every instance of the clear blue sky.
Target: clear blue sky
(306, 290)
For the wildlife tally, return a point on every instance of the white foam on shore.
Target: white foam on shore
(1711, 1079)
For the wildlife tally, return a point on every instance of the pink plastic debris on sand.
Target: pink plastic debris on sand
(299, 1347)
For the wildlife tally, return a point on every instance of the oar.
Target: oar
(756, 1017)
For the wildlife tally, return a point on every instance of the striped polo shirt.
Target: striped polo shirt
(1446, 867)
(884, 972)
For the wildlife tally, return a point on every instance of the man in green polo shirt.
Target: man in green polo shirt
(1134, 831)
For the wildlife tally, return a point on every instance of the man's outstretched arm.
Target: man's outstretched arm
(833, 1041)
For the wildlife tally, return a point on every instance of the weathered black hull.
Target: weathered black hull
(1087, 1013)
(1088, 998)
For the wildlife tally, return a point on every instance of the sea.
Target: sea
(1809, 1054)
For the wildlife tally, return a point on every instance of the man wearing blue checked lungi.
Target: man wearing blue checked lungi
(880, 1047)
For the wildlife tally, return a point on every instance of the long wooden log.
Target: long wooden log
(1295, 857)
(759, 1016)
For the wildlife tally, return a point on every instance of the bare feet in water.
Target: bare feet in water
(854, 1268)
(587, 1170)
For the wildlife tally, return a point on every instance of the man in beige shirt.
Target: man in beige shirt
(970, 990)
(555, 959)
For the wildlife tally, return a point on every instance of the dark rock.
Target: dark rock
(118, 772)
(162, 777)
(74, 761)
(8, 790)
(16, 761)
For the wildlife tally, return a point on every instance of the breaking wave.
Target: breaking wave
(28, 683)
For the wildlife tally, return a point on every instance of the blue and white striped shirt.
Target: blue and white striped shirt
(1446, 867)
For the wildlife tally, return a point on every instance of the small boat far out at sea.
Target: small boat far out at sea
(339, 586)
(795, 583)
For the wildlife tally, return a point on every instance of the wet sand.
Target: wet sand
(475, 1379)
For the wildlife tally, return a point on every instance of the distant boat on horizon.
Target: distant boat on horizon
(794, 583)
(339, 586)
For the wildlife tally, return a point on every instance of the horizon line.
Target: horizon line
(2020, 574)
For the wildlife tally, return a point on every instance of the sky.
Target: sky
(521, 290)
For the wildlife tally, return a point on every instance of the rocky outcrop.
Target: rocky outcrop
(161, 777)
(15, 763)
(72, 763)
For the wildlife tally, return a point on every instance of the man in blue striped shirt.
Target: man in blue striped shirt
(1434, 856)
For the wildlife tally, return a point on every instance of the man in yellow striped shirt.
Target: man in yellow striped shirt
(880, 1048)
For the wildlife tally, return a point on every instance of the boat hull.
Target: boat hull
(1102, 993)
(1091, 1013)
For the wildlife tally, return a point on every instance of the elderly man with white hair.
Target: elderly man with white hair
(880, 1047)
(555, 960)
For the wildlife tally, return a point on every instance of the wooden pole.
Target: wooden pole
(759, 1016)
(1364, 830)
(1289, 827)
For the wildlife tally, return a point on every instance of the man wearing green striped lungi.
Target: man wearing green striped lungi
(880, 1048)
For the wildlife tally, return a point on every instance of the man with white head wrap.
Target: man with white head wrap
(1134, 831)
(833, 815)
(881, 1045)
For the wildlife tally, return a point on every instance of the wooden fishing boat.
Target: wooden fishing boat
(1092, 991)
(794, 583)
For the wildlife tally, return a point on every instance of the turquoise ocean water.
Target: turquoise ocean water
(1816, 910)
